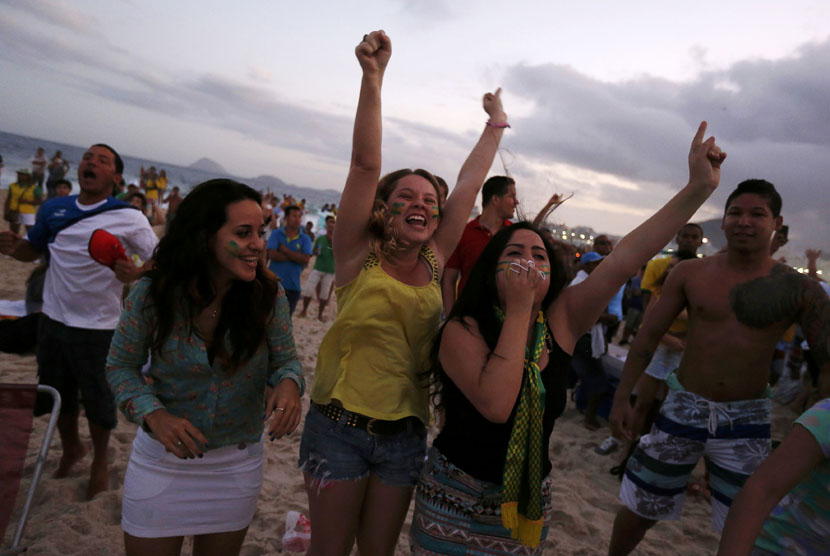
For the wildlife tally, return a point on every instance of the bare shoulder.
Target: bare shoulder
(693, 270)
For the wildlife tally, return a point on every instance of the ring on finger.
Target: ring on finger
(179, 443)
(280, 408)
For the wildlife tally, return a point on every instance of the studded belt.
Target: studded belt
(375, 427)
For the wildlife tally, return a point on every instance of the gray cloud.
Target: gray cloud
(253, 111)
(58, 14)
(771, 117)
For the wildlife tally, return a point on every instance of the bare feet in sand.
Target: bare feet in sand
(98, 478)
(71, 456)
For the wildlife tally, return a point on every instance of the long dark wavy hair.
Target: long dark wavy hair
(181, 278)
(481, 294)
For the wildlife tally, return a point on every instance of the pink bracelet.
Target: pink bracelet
(500, 126)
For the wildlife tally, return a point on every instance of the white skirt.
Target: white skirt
(165, 496)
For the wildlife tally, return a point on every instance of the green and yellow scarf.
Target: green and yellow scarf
(521, 507)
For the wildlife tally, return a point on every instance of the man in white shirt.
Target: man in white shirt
(81, 301)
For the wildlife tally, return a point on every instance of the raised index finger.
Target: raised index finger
(497, 94)
(701, 131)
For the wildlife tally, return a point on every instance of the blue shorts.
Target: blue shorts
(332, 451)
(293, 297)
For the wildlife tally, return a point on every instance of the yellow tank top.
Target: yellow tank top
(373, 355)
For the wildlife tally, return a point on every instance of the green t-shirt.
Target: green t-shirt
(325, 256)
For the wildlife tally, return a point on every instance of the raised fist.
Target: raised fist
(373, 52)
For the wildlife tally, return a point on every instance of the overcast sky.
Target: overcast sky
(603, 97)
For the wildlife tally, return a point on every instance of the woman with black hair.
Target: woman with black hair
(215, 323)
(500, 366)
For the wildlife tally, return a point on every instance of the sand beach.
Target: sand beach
(585, 500)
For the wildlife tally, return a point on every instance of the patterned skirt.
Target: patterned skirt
(458, 514)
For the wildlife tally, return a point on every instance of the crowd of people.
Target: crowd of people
(26, 193)
(480, 327)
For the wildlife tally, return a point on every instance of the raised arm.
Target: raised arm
(584, 302)
(471, 177)
(655, 324)
(552, 204)
(351, 245)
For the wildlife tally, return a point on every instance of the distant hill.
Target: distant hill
(208, 165)
(317, 197)
(273, 183)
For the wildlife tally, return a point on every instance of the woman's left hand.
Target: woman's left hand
(492, 105)
(285, 407)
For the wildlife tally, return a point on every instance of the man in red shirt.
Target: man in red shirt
(498, 201)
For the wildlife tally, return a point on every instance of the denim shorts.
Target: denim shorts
(332, 451)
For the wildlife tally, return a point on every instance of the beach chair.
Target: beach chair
(17, 402)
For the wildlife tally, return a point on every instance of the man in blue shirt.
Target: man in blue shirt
(289, 250)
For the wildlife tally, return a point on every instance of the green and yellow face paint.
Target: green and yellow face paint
(397, 208)
(504, 266)
(436, 212)
(233, 248)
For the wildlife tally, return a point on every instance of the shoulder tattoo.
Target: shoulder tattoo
(764, 301)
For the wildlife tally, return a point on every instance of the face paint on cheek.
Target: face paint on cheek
(509, 267)
(233, 248)
(435, 211)
(544, 269)
(503, 266)
(397, 208)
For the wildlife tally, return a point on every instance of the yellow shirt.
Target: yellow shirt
(28, 195)
(15, 192)
(151, 189)
(374, 352)
(654, 270)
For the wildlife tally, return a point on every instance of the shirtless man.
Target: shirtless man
(739, 303)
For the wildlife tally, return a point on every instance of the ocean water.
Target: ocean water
(18, 150)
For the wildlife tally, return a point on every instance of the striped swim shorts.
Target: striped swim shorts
(734, 436)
